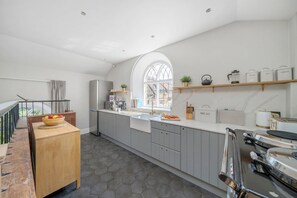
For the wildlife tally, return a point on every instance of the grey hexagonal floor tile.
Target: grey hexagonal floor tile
(109, 171)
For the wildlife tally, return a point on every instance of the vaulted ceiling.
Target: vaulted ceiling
(90, 35)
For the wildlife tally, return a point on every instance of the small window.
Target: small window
(158, 85)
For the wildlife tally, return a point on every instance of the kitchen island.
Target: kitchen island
(56, 157)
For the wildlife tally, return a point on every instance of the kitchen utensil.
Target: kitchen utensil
(234, 77)
(206, 79)
(266, 74)
(284, 73)
(189, 112)
(231, 117)
(284, 124)
(206, 114)
(252, 76)
(263, 119)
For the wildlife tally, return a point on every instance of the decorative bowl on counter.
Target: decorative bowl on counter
(53, 120)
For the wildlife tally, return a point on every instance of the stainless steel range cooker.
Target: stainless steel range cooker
(260, 164)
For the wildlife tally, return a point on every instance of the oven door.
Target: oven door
(230, 170)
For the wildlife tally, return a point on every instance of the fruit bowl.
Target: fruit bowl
(53, 120)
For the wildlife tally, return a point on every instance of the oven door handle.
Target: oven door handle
(223, 174)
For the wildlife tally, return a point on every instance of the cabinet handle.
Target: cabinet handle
(161, 148)
(166, 150)
(161, 132)
(166, 133)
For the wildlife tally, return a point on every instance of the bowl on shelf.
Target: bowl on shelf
(53, 120)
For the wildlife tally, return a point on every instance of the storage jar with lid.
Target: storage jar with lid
(252, 76)
(284, 73)
(266, 74)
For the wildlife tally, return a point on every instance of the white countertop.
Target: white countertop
(212, 127)
(217, 127)
(125, 113)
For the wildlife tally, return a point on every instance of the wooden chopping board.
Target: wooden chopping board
(171, 119)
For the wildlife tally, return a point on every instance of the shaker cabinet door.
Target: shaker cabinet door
(123, 129)
(201, 155)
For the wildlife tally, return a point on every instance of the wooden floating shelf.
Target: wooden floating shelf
(118, 91)
(262, 84)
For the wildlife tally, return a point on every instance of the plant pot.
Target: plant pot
(124, 89)
(185, 84)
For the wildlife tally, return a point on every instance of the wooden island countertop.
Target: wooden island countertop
(49, 132)
(56, 157)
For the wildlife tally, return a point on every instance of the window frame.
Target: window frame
(158, 82)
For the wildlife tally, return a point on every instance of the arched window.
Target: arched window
(158, 85)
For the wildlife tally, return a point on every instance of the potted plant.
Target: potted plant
(124, 87)
(186, 80)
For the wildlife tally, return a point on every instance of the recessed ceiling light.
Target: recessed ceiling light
(83, 13)
(152, 36)
(123, 50)
(208, 10)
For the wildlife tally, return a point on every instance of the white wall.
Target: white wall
(240, 45)
(77, 87)
(292, 94)
(293, 41)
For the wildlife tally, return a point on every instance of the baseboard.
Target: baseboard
(175, 171)
(84, 131)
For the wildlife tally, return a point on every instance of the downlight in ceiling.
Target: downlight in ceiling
(208, 10)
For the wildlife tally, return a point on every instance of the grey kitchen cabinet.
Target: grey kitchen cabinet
(123, 129)
(201, 155)
(166, 127)
(107, 123)
(166, 155)
(141, 141)
(166, 138)
(166, 143)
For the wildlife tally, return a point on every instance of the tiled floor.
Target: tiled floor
(109, 171)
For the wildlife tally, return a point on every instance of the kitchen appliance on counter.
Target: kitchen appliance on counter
(206, 79)
(108, 105)
(99, 92)
(284, 124)
(231, 117)
(252, 76)
(234, 77)
(260, 164)
(121, 104)
(284, 73)
(266, 74)
(263, 119)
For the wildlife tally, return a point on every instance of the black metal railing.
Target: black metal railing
(41, 107)
(9, 115)
(10, 112)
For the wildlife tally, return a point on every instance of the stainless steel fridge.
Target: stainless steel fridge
(99, 92)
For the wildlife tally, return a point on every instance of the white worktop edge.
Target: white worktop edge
(211, 127)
